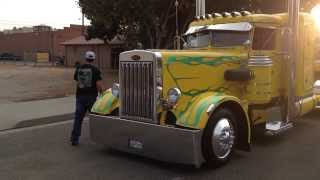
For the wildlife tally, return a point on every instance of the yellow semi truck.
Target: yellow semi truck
(199, 104)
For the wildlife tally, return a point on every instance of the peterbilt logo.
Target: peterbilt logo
(136, 57)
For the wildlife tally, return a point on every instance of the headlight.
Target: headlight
(159, 76)
(174, 95)
(159, 92)
(115, 90)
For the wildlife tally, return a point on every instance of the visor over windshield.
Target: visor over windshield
(242, 26)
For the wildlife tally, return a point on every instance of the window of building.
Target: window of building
(264, 39)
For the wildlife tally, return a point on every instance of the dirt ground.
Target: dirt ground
(26, 83)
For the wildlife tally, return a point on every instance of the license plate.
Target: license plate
(134, 144)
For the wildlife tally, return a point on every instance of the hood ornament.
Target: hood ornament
(136, 57)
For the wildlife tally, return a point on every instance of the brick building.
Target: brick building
(45, 40)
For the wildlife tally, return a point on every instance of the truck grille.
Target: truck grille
(137, 90)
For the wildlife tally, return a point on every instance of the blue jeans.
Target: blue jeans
(83, 105)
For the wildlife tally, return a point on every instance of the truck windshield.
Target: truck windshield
(217, 39)
(198, 40)
(229, 38)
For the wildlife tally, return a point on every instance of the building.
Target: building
(107, 52)
(42, 39)
(18, 30)
(41, 28)
(62, 35)
(76, 48)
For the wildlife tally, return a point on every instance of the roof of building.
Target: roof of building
(81, 40)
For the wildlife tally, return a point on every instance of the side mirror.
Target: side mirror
(247, 44)
(185, 45)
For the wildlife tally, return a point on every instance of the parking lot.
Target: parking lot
(25, 155)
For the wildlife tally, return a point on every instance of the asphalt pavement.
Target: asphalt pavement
(31, 113)
(44, 153)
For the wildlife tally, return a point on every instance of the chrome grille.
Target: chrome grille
(137, 90)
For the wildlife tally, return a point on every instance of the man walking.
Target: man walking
(89, 83)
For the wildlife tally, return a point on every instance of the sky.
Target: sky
(56, 13)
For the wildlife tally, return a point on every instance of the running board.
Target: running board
(274, 124)
(277, 127)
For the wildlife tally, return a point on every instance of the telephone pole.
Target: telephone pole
(83, 28)
(177, 39)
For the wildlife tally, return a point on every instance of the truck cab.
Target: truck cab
(199, 104)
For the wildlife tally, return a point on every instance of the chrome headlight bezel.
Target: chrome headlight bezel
(174, 95)
(159, 94)
(115, 90)
(159, 74)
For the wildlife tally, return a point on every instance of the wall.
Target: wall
(26, 44)
(61, 36)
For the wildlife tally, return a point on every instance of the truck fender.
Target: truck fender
(199, 113)
(105, 104)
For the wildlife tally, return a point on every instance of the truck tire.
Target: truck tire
(219, 138)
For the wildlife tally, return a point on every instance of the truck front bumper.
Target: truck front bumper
(149, 140)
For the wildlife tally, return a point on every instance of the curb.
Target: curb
(44, 121)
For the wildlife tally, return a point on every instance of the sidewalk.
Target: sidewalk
(26, 114)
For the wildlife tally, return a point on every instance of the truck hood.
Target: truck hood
(198, 71)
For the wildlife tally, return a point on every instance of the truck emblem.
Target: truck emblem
(136, 57)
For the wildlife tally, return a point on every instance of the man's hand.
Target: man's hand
(100, 87)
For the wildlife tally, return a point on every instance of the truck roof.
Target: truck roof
(275, 19)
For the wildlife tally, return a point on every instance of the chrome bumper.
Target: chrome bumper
(157, 142)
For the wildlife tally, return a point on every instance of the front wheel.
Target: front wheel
(219, 138)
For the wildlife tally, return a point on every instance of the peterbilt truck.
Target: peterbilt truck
(200, 104)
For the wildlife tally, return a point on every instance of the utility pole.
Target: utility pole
(83, 28)
(178, 41)
(293, 23)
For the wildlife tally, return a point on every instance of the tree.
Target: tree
(150, 22)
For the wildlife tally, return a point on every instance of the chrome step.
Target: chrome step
(277, 127)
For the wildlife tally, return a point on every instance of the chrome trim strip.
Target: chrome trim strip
(262, 61)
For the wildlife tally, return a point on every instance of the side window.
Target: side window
(264, 39)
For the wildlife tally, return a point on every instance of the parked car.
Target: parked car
(58, 61)
(10, 56)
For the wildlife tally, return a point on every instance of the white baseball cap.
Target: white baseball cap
(90, 55)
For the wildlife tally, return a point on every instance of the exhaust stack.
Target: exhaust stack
(200, 8)
(276, 126)
(294, 23)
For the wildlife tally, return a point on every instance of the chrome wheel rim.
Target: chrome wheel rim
(223, 138)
